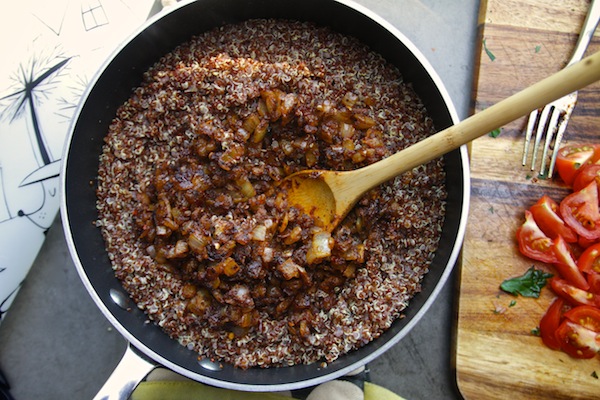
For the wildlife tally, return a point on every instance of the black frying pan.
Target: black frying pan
(113, 85)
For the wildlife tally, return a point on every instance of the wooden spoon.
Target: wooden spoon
(329, 196)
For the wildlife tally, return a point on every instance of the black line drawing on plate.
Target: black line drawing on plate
(93, 15)
(3, 306)
(32, 84)
(91, 12)
(33, 87)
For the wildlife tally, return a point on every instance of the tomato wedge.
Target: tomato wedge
(589, 260)
(578, 341)
(566, 265)
(586, 174)
(545, 214)
(572, 294)
(596, 157)
(550, 323)
(533, 243)
(594, 282)
(570, 159)
(580, 211)
(586, 316)
(585, 243)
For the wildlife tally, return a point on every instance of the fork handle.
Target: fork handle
(587, 32)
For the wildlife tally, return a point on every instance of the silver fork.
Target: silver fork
(551, 121)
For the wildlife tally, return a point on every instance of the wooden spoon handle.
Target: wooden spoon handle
(538, 95)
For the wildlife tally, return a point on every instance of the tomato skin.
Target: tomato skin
(585, 243)
(533, 243)
(586, 316)
(589, 260)
(587, 174)
(570, 159)
(596, 157)
(580, 211)
(545, 214)
(550, 323)
(566, 265)
(572, 294)
(576, 340)
(593, 280)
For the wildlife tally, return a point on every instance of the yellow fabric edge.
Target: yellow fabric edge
(376, 392)
(176, 390)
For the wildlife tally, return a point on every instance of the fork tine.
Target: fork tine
(529, 133)
(562, 127)
(556, 113)
(541, 127)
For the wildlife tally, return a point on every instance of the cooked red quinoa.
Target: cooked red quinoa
(197, 230)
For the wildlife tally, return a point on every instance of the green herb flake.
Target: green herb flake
(594, 375)
(529, 284)
(495, 133)
(491, 209)
(512, 303)
(487, 51)
(538, 48)
(536, 331)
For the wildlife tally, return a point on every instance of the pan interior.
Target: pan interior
(112, 87)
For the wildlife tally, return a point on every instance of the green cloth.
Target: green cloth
(185, 390)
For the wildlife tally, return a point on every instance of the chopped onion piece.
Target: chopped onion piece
(259, 233)
(267, 255)
(289, 269)
(321, 246)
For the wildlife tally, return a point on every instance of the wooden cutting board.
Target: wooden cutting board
(497, 356)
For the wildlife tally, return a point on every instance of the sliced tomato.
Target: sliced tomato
(589, 260)
(586, 316)
(533, 243)
(580, 211)
(570, 159)
(578, 341)
(550, 323)
(596, 157)
(585, 243)
(566, 266)
(572, 294)
(593, 280)
(545, 214)
(586, 174)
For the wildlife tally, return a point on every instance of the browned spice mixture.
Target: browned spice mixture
(198, 232)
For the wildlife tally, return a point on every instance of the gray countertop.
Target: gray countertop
(56, 344)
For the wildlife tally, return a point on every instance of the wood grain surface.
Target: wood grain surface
(497, 356)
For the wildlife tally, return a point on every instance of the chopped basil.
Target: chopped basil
(488, 52)
(512, 303)
(536, 331)
(495, 133)
(538, 48)
(529, 284)
(595, 375)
